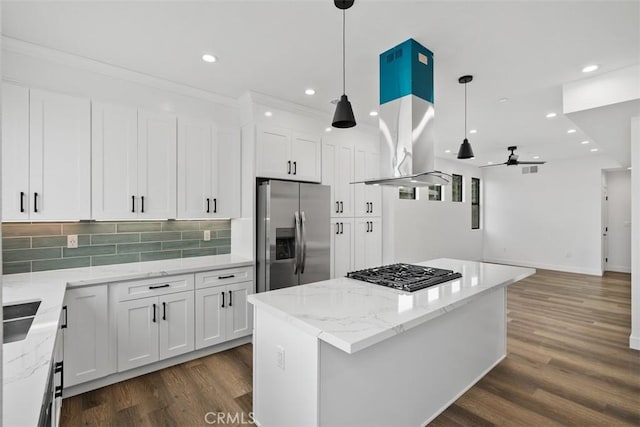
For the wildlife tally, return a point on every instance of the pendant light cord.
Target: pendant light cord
(343, 54)
(465, 110)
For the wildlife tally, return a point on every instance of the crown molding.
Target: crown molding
(22, 47)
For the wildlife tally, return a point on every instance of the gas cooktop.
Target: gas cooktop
(405, 277)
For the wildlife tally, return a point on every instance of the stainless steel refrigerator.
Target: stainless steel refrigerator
(293, 229)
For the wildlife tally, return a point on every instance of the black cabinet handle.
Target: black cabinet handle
(371, 209)
(166, 285)
(142, 204)
(341, 207)
(230, 299)
(337, 228)
(59, 369)
(133, 204)
(295, 168)
(289, 167)
(367, 207)
(208, 202)
(372, 226)
(64, 325)
(154, 314)
(22, 201)
(337, 207)
(369, 227)
(215, 205)
(342, 228)
(222, 299)
(227, 276)
(35, 202)
(164, 311)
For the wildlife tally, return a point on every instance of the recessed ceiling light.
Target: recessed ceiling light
(589, 68)
(550, 115)
(629, 168)
(503, 99)
(571, 131)
(584, 142)
(268, 114)
(373, 113)
(489, 163)
(447, 151)
(207, 57)
(473, 131)
(310, 91)
(536, 157)
(593, 150)
(327, 130)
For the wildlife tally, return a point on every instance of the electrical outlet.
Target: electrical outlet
(72, 241)
(207, 235)
(280, 357)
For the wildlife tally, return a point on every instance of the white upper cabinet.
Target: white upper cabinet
(209, 170)
(284, 154)
(133, 163)
(46, 155)
(156, 165)
(368, 198)
(337, 171)
(114, 132)
(16, 195)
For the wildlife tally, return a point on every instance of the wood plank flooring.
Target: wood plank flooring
(568, 363)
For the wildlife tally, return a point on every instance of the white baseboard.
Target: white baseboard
(618, 268)
(634, 342)
(555, 267)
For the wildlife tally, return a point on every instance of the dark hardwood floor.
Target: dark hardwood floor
(568, 363)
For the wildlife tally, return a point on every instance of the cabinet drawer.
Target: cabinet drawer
(125, 291)
(223, 277)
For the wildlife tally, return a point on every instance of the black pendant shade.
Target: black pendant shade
(343, 117)
(465, 151)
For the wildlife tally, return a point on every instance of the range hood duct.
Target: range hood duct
(406, 115)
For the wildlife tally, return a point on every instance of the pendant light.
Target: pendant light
(343, 116)
(465, 151)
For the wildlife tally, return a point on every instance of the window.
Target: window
(456, 188)
(408, 193)
(475, 203)
(435, 192)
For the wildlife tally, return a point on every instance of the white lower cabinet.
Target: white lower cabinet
(137, 333)
(342, 248)
(368, 243)
(85, 334)
(175, 317)
(222, 310)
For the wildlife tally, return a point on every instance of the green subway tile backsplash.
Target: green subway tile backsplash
(28, 247)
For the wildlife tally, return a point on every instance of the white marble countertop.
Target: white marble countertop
(26, 363)
(352, 315)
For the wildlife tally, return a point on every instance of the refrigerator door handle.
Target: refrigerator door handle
(304, 243)
(296, 216)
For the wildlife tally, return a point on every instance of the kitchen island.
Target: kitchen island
(348, 353)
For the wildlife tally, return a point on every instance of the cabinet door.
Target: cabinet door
(114, 153)
(176, 317)
(195, 169)
(342, 247)
(60, 158)
(329, 156)
(210, 316)
(239, 312)
(156, 165)
(361, 207)
(360, 243)
(373, 192)
(227, 174)
(273, 149)
(344, 178)
(86, 347)
(367, 198)
(137, 333)
(373, 247)
(306, 158)
(15, 153)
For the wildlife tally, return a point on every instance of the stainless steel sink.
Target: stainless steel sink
(17, 320)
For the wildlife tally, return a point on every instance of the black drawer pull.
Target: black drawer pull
(208, 202)
(59, 369)
(166, 285)
(230, 300)
(22, 201)
(142, 204)
(64, 325)
(289, 167)
(133, 204)
(164, 311)
(222, 299)
(35, 202)
(227, 277)
(215, 205)
(154, 313)
(295, 168)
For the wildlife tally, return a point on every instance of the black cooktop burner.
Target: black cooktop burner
(405, 277)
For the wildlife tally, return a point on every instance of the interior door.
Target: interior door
(605, 228)
(282, 233)
(315, 252)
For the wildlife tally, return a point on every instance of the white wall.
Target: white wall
(619, 221)
(549, 220)
(418, 230)
(635, 233)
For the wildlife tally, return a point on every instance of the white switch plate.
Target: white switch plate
(280, 357)
(207, 235)
(72, 241)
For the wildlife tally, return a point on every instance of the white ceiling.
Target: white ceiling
(522, 50)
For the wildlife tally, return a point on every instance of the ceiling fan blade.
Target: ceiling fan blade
(488, 166)
(531, 163)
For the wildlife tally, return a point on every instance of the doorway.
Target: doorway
(616, 221)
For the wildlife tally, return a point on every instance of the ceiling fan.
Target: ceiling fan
(512, 160)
